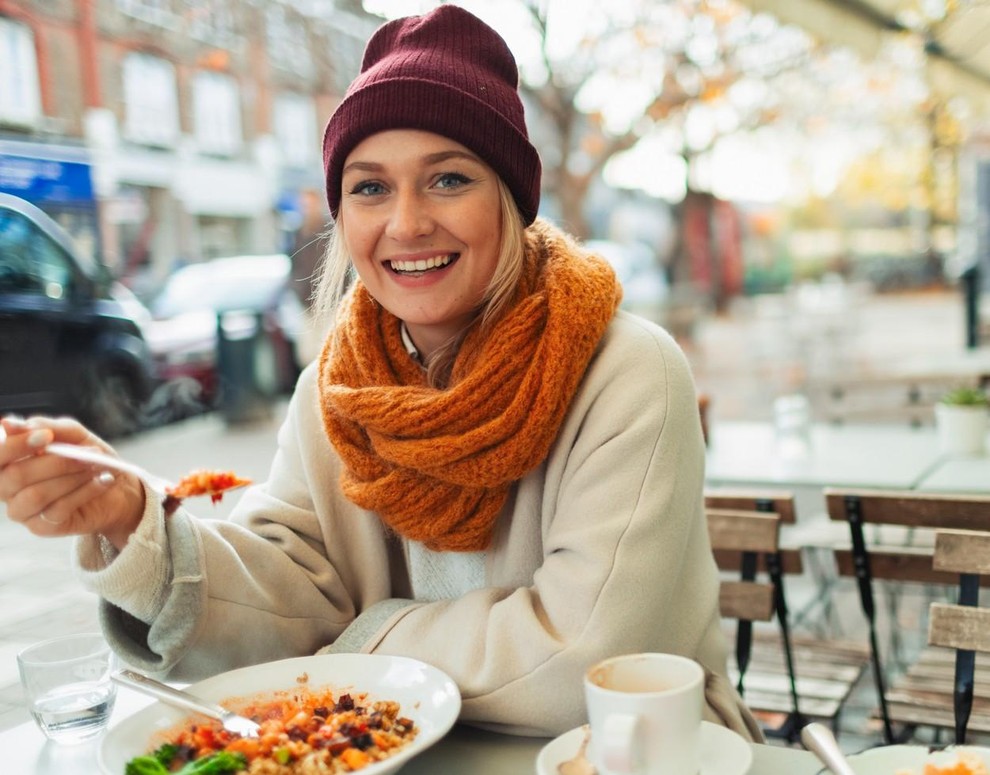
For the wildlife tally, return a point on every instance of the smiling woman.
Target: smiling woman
(487, 462)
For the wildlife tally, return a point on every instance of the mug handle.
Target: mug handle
(620, 751)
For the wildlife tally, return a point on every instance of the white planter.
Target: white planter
(962, 430)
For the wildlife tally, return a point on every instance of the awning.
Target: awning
(958, 47)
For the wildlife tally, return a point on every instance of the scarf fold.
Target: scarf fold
(436, 465)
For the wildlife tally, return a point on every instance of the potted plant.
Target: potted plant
(962, 417)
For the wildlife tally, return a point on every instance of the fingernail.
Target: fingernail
(38, 438)
(105, 478)
(14, 419)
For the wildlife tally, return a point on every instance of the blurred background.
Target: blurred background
(785, 184)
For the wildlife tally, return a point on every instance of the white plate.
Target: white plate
(889, 759)
(426, 695)
(723, 752)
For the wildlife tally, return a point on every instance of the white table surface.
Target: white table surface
(465, 751)
(959, 474)
(882, 456)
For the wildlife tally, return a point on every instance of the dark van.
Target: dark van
(67, 345)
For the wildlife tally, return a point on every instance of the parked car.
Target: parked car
(240, 293)
(68, 345)
(644, 286)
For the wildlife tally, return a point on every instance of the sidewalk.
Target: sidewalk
(39, 598)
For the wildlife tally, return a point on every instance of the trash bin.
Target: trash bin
(246, 367)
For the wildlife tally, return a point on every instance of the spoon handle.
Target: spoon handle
(819, 739)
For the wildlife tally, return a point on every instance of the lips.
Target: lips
(422, 265)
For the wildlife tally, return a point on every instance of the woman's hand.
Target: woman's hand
(53, 496)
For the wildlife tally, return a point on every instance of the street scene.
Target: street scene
(531, 245)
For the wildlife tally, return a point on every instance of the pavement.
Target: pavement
(742, 359)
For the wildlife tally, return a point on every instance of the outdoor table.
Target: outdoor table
(959, 474)
(894, 456)
(464, 751)
(871, 456)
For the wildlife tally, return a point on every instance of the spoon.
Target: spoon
(232, 722)
(819, 739)
(579, 765)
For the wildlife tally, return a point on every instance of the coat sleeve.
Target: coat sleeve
(283, 577)
(624, 563)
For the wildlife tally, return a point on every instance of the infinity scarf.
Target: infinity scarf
(437, 465)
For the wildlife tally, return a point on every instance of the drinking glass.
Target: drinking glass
(68, 687)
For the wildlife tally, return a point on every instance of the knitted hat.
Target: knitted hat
(445, 72)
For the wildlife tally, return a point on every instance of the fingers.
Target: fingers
(63, 515)
(21, 437)
(49, 495)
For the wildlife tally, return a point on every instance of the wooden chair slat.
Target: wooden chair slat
(749, 601)
(777, 501)
(791, 560)
(962, 551)
(745, 531)
(960, 627)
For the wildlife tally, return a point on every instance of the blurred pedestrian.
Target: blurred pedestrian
(489, 468)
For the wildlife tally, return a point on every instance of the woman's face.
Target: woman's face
(422, 223)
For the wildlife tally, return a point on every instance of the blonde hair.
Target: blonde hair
(336, 274)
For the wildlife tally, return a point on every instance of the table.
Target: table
(465, 751)
(891, 456)
(959, 474)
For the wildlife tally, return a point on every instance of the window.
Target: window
(151, 102)
(288, 43)
(217, 112)
(295, 129)
(20, 99)
(30, 262)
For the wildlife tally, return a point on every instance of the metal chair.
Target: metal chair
(784, 680)
(919, 692)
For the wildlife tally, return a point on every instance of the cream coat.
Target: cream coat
(601, 550)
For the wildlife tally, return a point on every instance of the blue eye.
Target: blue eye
(452, 180)
(368, 188)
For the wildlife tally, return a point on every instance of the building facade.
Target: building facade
(162, 132)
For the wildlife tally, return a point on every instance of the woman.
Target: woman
(489, 468)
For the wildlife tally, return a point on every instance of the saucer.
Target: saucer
(723, 752)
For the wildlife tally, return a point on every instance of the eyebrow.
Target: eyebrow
(431, 158)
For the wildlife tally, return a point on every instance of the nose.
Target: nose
(409, 218)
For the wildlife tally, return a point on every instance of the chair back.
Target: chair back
(744, 531)
(962, 626)
(904, 554)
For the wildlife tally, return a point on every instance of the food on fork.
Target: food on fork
(303, 730)
(203, 482)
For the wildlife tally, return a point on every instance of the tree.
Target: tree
(690, 71)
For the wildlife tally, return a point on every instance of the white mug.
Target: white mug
(645, 714)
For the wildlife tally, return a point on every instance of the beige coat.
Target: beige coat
(601, 550)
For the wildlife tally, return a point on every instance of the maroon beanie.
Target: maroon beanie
(445, 72)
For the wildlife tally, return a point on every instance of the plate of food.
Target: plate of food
(334, 713)
(921, 760)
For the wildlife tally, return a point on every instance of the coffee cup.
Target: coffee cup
(645, 714)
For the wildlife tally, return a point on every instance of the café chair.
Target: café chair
(892, 540)
(962, 626)
(784, 680)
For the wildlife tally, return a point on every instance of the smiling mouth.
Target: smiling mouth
(423, 265)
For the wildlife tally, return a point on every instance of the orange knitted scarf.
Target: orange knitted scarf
(436, 465)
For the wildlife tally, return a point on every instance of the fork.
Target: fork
(232, 722)
(90, 455)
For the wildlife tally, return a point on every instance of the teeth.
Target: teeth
(421, 265)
